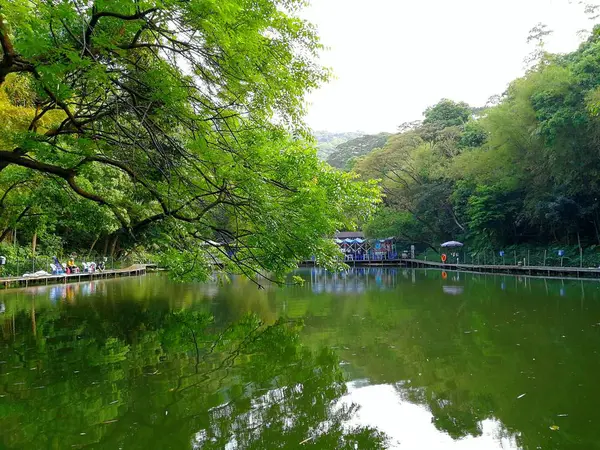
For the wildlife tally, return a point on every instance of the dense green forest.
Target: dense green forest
(147, 127)
(524, 170)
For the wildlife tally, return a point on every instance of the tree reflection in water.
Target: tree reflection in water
(139, 363)
(467, 359)
(126, 374)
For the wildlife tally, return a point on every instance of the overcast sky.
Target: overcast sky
(393, 58)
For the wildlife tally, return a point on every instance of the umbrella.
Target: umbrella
(452, 244)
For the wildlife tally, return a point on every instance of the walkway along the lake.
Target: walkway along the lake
(136, 269)
(547, 271)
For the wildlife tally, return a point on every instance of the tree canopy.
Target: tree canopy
(168, 124)
(524, 171)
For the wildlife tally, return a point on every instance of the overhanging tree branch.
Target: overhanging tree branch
(68, 174)
(96, 16)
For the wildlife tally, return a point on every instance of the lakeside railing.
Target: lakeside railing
(571, 257)
(575, 258)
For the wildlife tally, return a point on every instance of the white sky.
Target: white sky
(393, 58)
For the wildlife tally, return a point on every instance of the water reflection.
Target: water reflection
(463, 361)
(453, 290)
(461, 349)
(354, 280)
(408, 425)
(121, 373)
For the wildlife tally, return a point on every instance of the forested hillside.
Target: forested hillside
(327, 141)
(344, 154)
(525, 171)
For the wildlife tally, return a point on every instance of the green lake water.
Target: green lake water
(377, 358)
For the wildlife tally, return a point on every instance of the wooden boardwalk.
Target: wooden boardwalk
(544, 271)
(136, 269)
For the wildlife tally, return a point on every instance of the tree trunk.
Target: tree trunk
(8, 230)
(451, 211)
(114, 246)
(92, 247)
(105, 252)
(5, 233)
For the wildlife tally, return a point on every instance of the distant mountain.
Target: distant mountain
(328, 141)
(356, 147)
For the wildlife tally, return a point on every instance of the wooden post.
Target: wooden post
(515, 255)
(528, 260)
(33, 324)
(580, 251)
(33, 246)
(545, 251)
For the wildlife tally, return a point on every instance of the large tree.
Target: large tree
(183, 118)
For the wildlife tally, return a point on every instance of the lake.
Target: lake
(374, 358)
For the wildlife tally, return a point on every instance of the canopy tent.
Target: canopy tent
(354, 241)
(359, 248)
(352, 247)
